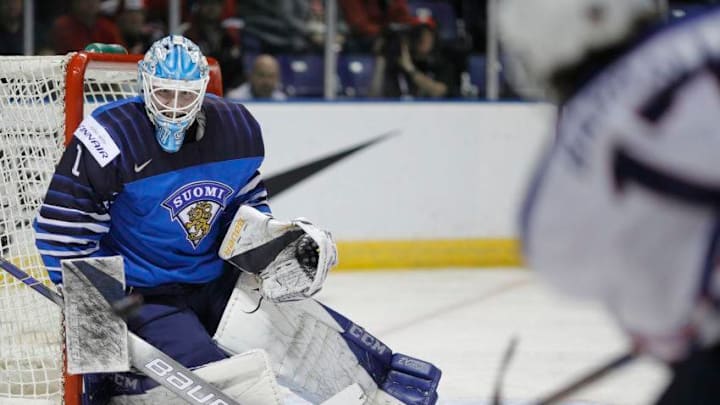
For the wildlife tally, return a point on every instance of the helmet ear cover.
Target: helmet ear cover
(173, 76)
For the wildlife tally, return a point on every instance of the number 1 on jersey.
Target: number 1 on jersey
(75, 170)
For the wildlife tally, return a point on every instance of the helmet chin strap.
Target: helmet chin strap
(171, 136)
(201, 121)
(168, 139)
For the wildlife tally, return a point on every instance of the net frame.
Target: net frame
(49, 105)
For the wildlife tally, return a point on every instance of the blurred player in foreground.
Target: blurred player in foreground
(169, 180)
(623, 206)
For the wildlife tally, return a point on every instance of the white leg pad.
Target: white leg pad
(352, 395)
(383, 398)
(245, 377)
(303, 341)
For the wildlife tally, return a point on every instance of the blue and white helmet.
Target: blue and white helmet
(537, 47)
(173, 78)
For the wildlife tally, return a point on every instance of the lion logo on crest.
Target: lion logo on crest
(198, 224)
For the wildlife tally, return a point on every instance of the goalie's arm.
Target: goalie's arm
(254, 194)
(74, 215)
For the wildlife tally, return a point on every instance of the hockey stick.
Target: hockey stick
(588, 378)
(143, 356)
(504, 363)
(562, 393)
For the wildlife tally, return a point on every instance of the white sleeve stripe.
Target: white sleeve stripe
(58, 269)
(99, 217)
(62, 238)
(97, 228)
(259, 195)
(68, 253)
(258, 202)
(251, 185)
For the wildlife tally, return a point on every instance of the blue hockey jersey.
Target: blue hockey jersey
(115, 191)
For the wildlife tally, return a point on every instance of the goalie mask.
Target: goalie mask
(173, 78)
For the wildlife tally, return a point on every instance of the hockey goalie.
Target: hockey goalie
(169, 181)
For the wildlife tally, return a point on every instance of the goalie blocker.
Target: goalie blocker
(313, 350)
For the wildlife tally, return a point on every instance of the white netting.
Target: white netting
(32, 126)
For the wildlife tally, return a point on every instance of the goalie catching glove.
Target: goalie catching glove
(292, 258)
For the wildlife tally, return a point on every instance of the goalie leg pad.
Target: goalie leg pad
(302, 340)
(246, 378)
(410, 380)
(315, 351)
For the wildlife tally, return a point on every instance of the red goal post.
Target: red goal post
(42, 101)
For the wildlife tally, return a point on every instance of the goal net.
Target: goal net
(42, 100)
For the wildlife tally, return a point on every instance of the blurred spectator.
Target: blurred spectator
(410, 64)
(45, 14)
(157, 10)
(137, 33)
(48, 11)
(285, 26)
(317, 26)
(453, 43)
(81, 26)
(11, 27)
(218, 38)
(368, 20)
(109, 8)
(264, 81)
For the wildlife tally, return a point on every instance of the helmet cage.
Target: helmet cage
(173, 101)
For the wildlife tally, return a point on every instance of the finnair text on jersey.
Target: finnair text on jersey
(93, 141)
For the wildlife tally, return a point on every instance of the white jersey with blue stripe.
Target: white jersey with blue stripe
(623, 205)
(116, 192)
